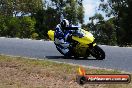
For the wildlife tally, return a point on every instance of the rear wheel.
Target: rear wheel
(97, 52)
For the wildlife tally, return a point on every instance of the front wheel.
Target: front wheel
(97, 52)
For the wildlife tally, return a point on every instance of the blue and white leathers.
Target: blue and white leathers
(61, 40)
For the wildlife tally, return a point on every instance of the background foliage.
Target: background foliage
(33, 18)
(118, 29)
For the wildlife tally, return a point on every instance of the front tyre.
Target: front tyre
(97, 52)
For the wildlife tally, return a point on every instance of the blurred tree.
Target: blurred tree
(121, 10)
(103, 31)
(6, 7)
(20, 7)
(71, 9)
(27, 7)
(37, 16)
(17, 27)
(45, 20)
(13, 27)
(3, 26)
(27, 27)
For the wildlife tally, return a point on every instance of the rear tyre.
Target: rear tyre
(98, 53)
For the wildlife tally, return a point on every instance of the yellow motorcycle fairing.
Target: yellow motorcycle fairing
(86, 39)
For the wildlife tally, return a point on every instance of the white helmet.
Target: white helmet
(64, 23)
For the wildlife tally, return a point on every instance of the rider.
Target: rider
(61, 36)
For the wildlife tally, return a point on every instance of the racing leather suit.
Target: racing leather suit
(61, 40)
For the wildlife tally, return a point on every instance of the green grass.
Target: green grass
(19, 72)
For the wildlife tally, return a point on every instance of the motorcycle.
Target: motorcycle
(83, 44)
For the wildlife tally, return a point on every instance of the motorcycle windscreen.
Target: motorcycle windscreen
(51, 34)
(86, 39)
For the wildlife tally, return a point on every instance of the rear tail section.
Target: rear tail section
(51, 34)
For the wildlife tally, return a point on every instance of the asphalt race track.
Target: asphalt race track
(118, 58)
